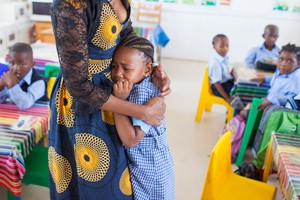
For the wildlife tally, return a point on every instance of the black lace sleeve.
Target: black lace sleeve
(70, 19)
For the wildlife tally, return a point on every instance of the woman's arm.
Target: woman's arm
(70, 23)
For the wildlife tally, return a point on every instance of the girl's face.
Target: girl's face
(287, 62)
(222, 46)
(20, 63)
(129, 63)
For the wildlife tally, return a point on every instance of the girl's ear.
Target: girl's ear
(148, 69)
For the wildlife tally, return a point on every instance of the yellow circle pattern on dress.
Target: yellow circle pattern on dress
(92, 157)
(64, 100)
(60, 170)
(108, 30)
(108, 76)
(98, 66)
(125, 183)
(108, 117)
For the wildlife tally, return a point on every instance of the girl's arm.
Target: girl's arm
(129, 135)
(221, 90)
(152, 112)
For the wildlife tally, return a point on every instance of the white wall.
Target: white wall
(191, 28)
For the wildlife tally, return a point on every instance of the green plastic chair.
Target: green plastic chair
(252, 123)
(51, 69)
(37, 171)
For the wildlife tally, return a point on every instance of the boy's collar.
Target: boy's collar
(27, 77)
(219, 57)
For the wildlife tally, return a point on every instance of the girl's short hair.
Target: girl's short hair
(291, 48)
(139, 43)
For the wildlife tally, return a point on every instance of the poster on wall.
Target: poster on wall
(152, 1)
(225, 2)
(281, 5)
(170, 1)
(208, 2)
(296, 7)
(291, 6)
(190, 2)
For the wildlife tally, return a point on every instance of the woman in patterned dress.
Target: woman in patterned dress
(86, 157)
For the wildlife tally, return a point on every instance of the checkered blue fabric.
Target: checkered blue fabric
(150, 162)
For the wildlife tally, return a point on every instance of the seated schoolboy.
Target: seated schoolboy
(285, 83)
(21, 83)
(219, 74)
(268, 50)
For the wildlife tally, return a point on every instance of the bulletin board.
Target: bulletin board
(287, 9)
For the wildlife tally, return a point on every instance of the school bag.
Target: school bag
(275, 118)
(236, 126)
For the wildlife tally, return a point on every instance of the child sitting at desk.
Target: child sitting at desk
(268, 50)
(220, 78)
(21, 83)
(285, 83)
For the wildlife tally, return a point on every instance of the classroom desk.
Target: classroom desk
(20, 131)
(285, 152)
(246, 89)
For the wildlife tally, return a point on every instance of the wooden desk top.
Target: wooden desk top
(243, 72)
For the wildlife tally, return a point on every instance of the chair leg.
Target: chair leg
(230, 113)
(199, 110)
(10, 196)
(208, 107)
(268, 161)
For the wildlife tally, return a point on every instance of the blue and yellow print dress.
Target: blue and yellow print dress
(86, 157)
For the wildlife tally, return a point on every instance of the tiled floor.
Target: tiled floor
(190, 142)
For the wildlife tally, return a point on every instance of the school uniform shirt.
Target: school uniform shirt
(150, 161)
(25, 99)
(218, 69)
(261, 52)
(283, 87)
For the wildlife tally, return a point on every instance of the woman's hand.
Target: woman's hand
(122, 89)
(161, 80)
(155, 111)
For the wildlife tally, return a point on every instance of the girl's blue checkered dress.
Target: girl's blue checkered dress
(150, 162)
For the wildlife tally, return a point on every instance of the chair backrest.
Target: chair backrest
(149, 12)
(219, 167)
(50, 84)
(206, 82)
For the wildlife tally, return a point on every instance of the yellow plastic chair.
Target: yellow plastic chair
(50, 84)
(268, 161)
(207, 98)
(222, 184)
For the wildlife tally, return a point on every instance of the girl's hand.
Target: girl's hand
(155, 111)
(122, 89)
(161, 80)
(259, 79)
(264, 104)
